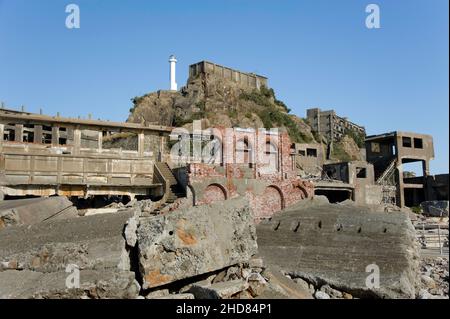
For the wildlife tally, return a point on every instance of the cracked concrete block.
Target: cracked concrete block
(95, 244)
(95, 284)
(220, 290)
(341, 246)
(35, 210)
(196, 240)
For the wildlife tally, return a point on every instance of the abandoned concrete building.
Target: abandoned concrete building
(44, 155)
(390, 151)
(309, 158)
(249, 80)
(330, 125)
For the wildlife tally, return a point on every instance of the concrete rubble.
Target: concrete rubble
(435, 208)
(194, 241)
(39, 256)
(312, 250)
(334, 245)
(34, 210)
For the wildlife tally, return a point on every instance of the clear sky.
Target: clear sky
(315, 53)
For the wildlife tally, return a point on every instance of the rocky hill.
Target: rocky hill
(221, 102)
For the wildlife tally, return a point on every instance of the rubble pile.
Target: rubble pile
(434, 278)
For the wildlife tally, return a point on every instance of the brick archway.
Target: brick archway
(214, 193)
(271, 201)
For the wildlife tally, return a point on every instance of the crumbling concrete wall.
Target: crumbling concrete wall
(341, 245)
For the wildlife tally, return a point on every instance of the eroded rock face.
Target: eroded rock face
(194, 241)
(343, 246)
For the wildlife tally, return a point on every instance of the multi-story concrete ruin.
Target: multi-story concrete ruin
(330, 125)
(44, 155)
(388, 152)
(244, 79)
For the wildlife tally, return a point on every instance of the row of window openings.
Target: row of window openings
(28, 137)
(310, 152)
(407, 142)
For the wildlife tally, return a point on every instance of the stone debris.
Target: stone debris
(334, 245)
(434, 278)
(194, 241)
(435, 208)
(35, 210)
(220, 290)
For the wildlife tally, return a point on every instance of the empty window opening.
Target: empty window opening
(361, 172)
(334, 196)
(375, 147)
(406, 141)
(302, 153)
(418, 143)
(311, 152)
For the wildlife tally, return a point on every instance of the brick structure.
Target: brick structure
(257, 164)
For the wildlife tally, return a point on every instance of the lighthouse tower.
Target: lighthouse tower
(173, 83)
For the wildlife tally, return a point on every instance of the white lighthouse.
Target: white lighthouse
(173, 82)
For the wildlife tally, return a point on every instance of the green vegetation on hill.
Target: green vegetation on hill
(272, 116)
(356, 136)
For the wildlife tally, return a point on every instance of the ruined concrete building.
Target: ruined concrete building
(44, 155)
(249, 80)
(330, 125)
(388, 152)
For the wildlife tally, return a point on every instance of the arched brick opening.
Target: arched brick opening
(299, 192)
(271, 201)
(214, 193)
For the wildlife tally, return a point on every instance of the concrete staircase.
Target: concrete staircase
(173, 190)
(386, 178)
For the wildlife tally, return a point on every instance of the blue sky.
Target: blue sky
(315, 53)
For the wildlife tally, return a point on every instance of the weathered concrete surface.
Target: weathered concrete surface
(34, 210)
(194, 241)
(42, 252)
(28, 284)
(335, 243)
(220, 290)
(436, 208)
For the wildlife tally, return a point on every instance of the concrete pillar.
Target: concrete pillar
(141, 139)
(76, 141)
(100, 141)
(425, 168)
(18, 133)
(55, 135)
(38, 134)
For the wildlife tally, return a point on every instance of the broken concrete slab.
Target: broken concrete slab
(96, 284)
(436, 208)
(196, 240)
(281, 287)
(89, 242)
(220, 290)
(34, 210)
(42, 252)
(178, 296)
(341, 246)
